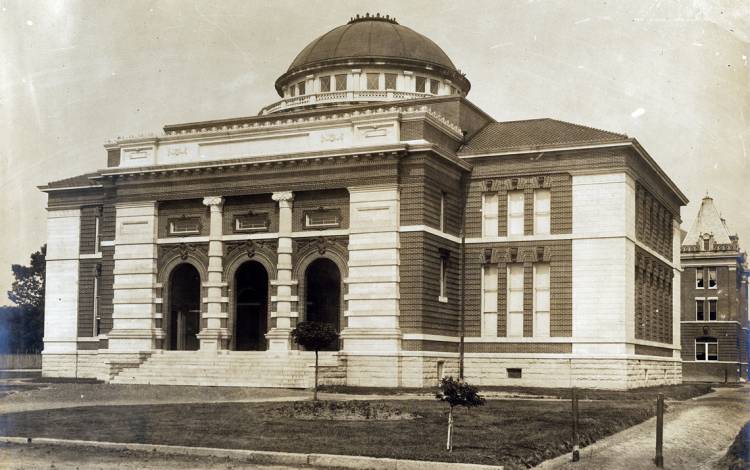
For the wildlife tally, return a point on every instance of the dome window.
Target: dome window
(325, 84)
(433, 87)
(373, 81)
(390, 81)
(420, 85)
(341, 82)
(301, 88)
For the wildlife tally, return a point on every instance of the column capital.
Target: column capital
(283, 196)
(213, 201)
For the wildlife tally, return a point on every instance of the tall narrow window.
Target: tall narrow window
(489, 214)
(293, 90)
(712, 304)
(325, 84)
(95, 309)
(341, 82)
(699, 278)
(419, 84)
(443, 279)
(700, 309)
(706, 349)
(489, 301)
(712, 283)
(434, 84)
(515, 300)
(390, 81)
(443, 196)
(97, 244)
(541, 300)
(706, 244)
(542, 199)
(373, 81)
(515, 212)
(301, 88)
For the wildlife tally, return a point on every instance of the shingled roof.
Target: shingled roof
(535, 134)
(708, 221)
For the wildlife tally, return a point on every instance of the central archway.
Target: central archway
(185, 308)
(251, 307)
(323, 294)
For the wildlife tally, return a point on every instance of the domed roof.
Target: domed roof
(372, 37)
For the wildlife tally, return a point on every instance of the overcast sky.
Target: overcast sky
(673, 74)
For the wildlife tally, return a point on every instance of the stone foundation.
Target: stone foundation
(714, 372)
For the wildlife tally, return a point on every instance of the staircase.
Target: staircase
(293, 369)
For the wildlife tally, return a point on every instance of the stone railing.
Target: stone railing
(341, 97)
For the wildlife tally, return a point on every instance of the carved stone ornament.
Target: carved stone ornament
(185, 249)
(213, 201)
(532, 254)
(283, 196)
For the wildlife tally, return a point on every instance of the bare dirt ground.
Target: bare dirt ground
(697, 434)
(41, 456)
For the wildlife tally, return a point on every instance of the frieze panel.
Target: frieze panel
(305, 246)
(515, 183)
(250, 249)
(532, 254)
(183, 251)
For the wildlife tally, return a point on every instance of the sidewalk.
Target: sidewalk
(696, 434)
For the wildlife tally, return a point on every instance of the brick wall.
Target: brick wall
(653, 298)
(653, 222)
(89, 215)
(86, 272)
(175, 210)
(335, 199)
(242, 205)
(730, 337)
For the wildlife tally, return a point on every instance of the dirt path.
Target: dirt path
(696, 433)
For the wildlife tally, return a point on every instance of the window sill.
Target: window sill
(443, 300)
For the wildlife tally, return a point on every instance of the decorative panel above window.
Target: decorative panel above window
(322, 218)
(251, 222)
(185, 226)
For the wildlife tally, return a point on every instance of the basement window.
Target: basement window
(514, 373)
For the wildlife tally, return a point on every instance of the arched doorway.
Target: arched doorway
(251, 307)
(323, 294)
(185, 308)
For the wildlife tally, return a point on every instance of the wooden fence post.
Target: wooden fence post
(574, 400)
(659, 459)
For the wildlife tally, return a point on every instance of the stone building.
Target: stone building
(373, 195)
(714, 322)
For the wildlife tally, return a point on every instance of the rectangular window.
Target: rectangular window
(712, 304)
(322, 218)
(541, 300)
(515, 300)
(325, 84)
(443, 197)
(700, 309)
(184, 226)
(301, 88)
(514, 373)
(341, 82)
(706, 349)
(489, 301)
(293, 90)
(251, 222)
(712, 278)
(373, 81)
(97, 243)
(443, 297)
(542, 200)
(489, 215)
(419, 84)
(515, 212)
(97, 319)
(434, 87)
(390, 81)
(699, 278)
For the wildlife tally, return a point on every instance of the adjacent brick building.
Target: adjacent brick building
(376, 197)
(714, 300)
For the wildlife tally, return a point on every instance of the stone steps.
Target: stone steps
(243, 369)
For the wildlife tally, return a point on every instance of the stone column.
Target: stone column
(278, 336)
(213, 334)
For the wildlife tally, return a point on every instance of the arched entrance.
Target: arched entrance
(185, 308)
(323, 294)
(251, 307)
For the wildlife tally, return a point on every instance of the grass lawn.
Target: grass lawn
(516, 434)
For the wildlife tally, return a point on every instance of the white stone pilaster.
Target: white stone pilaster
(278, 336)
(213, 335)
(134, 313)
(61, 294)
(373, 280)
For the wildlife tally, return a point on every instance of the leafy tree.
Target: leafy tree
(28, 288)
(457, 393)
(314, 336)
(22, 326)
